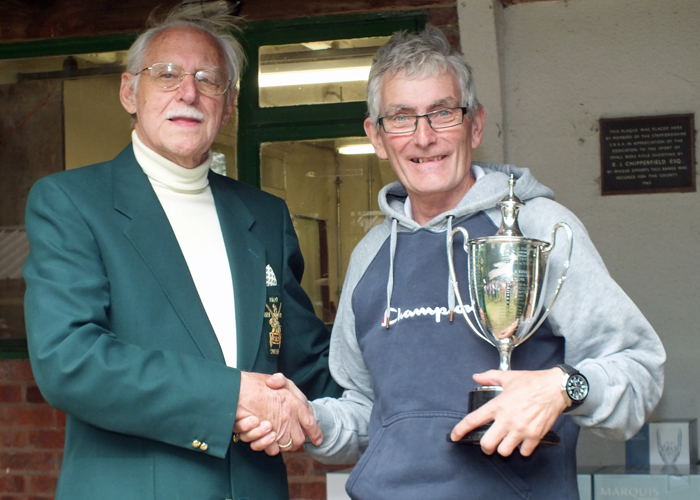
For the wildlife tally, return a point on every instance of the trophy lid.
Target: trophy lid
(510, 205)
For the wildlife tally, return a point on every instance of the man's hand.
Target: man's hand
(271, 416)
(522, 414)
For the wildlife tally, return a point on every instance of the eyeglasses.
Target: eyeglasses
(407, 124)
(169, 76)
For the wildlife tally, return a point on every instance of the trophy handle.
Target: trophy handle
(453, 277)
(546, 250)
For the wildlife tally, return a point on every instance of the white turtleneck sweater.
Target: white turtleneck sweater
(189, 204)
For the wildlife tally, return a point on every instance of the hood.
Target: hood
(483, 195)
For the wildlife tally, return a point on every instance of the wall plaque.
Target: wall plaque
(650, 154)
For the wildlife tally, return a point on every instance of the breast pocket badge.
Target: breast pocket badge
(274, 313)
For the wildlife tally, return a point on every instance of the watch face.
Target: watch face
(577, 387)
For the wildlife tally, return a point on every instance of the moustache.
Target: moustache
(185, 112)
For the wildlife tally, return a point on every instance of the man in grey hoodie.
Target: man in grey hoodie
(407, 368)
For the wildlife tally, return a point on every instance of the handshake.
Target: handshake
(273, 414)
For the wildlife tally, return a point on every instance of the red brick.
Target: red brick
(51, 439)
(60, 418)
(40, 416)
(12, 484)
(16, 371)
(307, 491)
(13, 438)
(319, 468)
(27, 497)
(443, 17)
(42, 484)
(10, 394)
(297, 464)
(34, 395)
(28, 462)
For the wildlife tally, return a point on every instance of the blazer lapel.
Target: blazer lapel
(150, 232)
(246, 255)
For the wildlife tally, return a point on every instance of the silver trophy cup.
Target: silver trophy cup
(507, 284)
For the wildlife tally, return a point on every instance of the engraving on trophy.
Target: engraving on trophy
(507, 284)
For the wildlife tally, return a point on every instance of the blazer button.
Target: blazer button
(196, 444)
(204, 447)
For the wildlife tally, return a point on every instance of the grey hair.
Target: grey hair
(216, 22)
(418, 55)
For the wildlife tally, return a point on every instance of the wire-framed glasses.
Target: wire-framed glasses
(407, 124)
(169, 76)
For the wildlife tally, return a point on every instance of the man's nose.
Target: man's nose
(188, 88)
(424, 134)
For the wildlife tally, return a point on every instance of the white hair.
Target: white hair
(216, 23)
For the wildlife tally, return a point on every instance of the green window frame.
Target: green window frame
(258, 125)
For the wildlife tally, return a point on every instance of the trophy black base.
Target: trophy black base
(474, 437)
(478, 398)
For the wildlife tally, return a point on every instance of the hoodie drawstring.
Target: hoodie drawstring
(390, 283)
(450, 284)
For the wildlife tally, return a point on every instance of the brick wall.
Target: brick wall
(307, 477)
(32, 435)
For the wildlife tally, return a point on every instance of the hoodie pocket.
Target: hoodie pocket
(411, 458)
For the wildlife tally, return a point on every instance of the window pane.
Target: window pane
(316, 72)
(333, 201)
(88, 115)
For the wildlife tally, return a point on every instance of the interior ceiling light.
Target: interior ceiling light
(311, 77)
(356, 149)
(317, 45)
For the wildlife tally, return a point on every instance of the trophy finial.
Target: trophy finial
(510, 205)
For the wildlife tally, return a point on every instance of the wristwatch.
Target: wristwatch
(574, 386)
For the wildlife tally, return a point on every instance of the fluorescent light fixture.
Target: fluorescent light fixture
(311, 77)
(356, 149)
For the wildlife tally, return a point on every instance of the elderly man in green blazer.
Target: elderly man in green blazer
(160, 295)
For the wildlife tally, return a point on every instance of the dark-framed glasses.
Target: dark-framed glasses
(407, 124)
(169, 76)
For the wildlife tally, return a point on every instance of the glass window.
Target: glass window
(332, 196)
(316, 72)
(74, 98)
(59, 113)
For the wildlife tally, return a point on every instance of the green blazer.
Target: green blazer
(120, 341)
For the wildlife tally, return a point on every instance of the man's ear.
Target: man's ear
(229, 107)
(478, 127)
(373, 135)
(127, 94)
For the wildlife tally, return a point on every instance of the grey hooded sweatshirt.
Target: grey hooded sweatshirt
(406, 386)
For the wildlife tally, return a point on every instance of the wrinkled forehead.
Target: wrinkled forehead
(413, 91)
(181, 44)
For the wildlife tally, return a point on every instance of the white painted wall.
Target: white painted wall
(563, 66)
